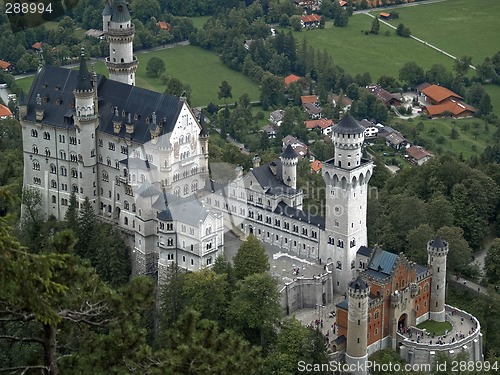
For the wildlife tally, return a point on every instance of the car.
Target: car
(3, 86)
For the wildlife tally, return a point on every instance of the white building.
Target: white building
(139, 156)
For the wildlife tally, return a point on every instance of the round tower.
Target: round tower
(120, 32)
(357, 326)
(348, 137)
(86, 121)
(289, 161)
(437, 250)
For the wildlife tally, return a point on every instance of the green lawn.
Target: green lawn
(494, 92)
(376, 54)
(201, 69)
(200, 21)
(473, 135)
(435, 328)
(459, 27)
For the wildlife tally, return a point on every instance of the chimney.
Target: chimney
(129, 126)
(117, 122)
(39, 109)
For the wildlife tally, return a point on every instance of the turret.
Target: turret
(289, 161)
(120, 32)
(357, 326)
(348, 137)
(437, 250)
(256, 161)
(106, 16)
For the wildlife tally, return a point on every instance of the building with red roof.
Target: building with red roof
(5, 66)
(438, 94)
(163, 25)
(323, 124)
(37, 46)
(291, 79)
(309, 99)
(5, 112)
(418, 155)
(316, 166)
(310, 20)
(451, 107)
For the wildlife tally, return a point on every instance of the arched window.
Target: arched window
(125, 220)
(352, 243)
(62, 155)
(54, 199)
(133, 207)
(74, 173)
(46, 135)
(194, 186)
(186, 189)
(64, 172)
(53, 168)
(177, 191)
(208, 231)
(105, 176)
(126, 205)
(53, 184)
(34, 149)
(47, 151)
(339, 265)
(36, 165)
(34, 133)
(170, 242)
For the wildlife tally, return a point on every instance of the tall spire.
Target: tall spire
(84, 82)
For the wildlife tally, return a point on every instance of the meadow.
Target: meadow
(459, 27)
(200, 69)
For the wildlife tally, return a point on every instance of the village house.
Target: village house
(418, 155)
(276, 117)
(316, 166)
(323, 125)
(163, 25)
(386, 97)
(442, 102)
(291, 79)
(270, 131)
(299, 147)
(6, 66)
(5, 112)
(371, 130)
(312, 110)
(309, 99)
(97, 34)
(395, 140)
(345, 102)
(310, 20)
(37, 46)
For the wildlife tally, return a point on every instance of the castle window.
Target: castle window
(340, 244)
(74, 173)
(426, 287)
(37, 180)
(194, 186)
(352, 243)
(353, 265)
(377, 314)
(74, 188)
(36, 165)
(359, 322)
(62, 155)
(105, 176)
(268, 220)
(331, 240)
(111, 146)
(34, 133)
(339, 265)
(186, 189)
(72, 140)
(46, 135)
(126, 205)
(108, 161)
(92, 153)
(53, 184)
(34, 149)
(53, 168)
(259, 217)
(54, 199)
(64, 172)
(314, 234)
(124, 150)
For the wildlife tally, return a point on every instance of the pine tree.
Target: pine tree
(251, 258)
(71, 215)
(87, 232)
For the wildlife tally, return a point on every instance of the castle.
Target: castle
(141, 158)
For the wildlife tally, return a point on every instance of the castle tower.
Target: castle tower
(86, 122)
(357, 326)
(346, 178)
(106, 16)
(120, 32)
(289, 161)
(437, 251)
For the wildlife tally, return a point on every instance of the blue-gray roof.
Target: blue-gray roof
(54, 83)
(147, 190)
(84, 83)
(289, 152)
(107, 9)
(283, 209)
(343, 304)
(383, 261)
(348, 125)
(365, 251)
(420, 270)
(119, 11)
(438, 243)
(372, 274)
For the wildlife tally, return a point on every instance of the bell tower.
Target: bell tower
(437, 252)
(346, 178)
(120, 32)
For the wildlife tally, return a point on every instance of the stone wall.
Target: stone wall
(307, 292)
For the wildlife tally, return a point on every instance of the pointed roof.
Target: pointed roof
(119, 12)
(289, 152)
(438, 243)
(84, 83)
(358, 284)
(348, 125)
(107, 9)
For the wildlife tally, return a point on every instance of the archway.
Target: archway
(250, 230)
(402, 323)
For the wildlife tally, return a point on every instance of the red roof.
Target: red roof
(5, 64)
(5, 111)
(322, 123)
(384, 15)
(309, 99)
(417, 152)
(37, 45)
(310, 18)
(455, 107)
(291, 78)
(342, 3)
(439, 93)
(316, 165)
(163, 25)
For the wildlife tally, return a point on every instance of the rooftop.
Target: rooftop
(348, 125)
(439, 93)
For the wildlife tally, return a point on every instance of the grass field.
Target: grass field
(200, 21)
(494, 92)
(473, 135)
(201, 69)
(459, 27)
(376, 54)
(435, 328)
